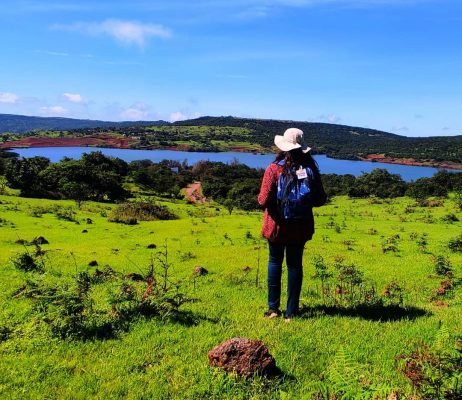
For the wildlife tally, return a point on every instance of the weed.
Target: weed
(28, 263)
(434, 371)
(455, 244)
(449, 218)
(442, 265)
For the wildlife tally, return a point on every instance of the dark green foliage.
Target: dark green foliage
(449, 218)
(5, 333)
(130, 213)
(442, 265)
(455, 244)
(160, 177)
(379, 183)
(93, 177)
(28, 263)
(23, 174)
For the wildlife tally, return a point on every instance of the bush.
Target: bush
(27, 263)
(455, 244)
(130, 213)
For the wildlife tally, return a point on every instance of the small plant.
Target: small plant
(66, 214)
(422, 242)
(322, 273)
(455, 244)
(28, 263)
(442, 265)
(449, 218)
(434, 371)
(393, 293)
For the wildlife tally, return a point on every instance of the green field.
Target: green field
(166, 358)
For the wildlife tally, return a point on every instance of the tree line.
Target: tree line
(101, 178)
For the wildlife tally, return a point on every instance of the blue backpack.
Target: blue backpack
(296, 197)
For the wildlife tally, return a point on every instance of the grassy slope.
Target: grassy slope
(162, 359)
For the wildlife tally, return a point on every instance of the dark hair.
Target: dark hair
(297, 158)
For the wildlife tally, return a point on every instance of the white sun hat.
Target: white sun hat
(291, 140)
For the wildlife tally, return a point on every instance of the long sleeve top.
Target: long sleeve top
(275, 229)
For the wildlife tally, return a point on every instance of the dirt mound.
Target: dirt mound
(246, 357)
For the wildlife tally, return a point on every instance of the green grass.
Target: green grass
(163, 359)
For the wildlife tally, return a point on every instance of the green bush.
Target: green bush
(27, 263)
(131, 213)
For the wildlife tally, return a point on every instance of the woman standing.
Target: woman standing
(287, 236)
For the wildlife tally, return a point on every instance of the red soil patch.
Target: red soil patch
(193, 193)
(410, 161)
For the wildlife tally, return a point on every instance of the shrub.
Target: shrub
(27, 263)
(455, 244)
(130, 213)
(442, 265)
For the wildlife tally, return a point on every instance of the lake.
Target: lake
(327, 165)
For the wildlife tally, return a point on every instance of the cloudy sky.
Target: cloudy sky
(394, 65)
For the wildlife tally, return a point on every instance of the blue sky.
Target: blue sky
(393, 65)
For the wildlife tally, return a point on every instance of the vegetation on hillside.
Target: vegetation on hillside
(228, 133)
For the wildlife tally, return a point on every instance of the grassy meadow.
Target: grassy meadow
(328, 350)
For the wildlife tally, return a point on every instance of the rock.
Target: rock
(245, 357)
(198, 270)
(84, 231)
(246, 268)
(93, 263)
(152, 246)
(89, 221)
(40, 240)
(21, 241)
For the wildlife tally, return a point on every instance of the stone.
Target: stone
(245, 357)
(198, 270)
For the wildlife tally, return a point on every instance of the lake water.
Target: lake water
(327, 165)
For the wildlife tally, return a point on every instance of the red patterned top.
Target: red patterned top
(274, 229)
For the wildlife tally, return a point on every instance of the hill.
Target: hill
(22, 123)
(233, 134)
(348, 142)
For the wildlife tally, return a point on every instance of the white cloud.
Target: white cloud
(54, 111)
(125, 32)
(137, 112)
(73, 97)
(6, 97)
(179, 116)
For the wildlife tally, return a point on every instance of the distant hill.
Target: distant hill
(346, 142)
(10, 123)
(250, 134)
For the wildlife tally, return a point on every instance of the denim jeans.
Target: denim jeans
(294, 256)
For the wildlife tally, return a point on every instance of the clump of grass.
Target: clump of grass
(131, 213)
(449, 218)
(442, 265)
(65, 214)
(455, 244)
(27, 263)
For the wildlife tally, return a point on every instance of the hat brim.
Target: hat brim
(284, 145)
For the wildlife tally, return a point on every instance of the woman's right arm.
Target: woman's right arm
(267, 188)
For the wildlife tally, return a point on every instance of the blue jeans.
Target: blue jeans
(294, 256)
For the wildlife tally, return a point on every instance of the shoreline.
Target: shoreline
(127, 144)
